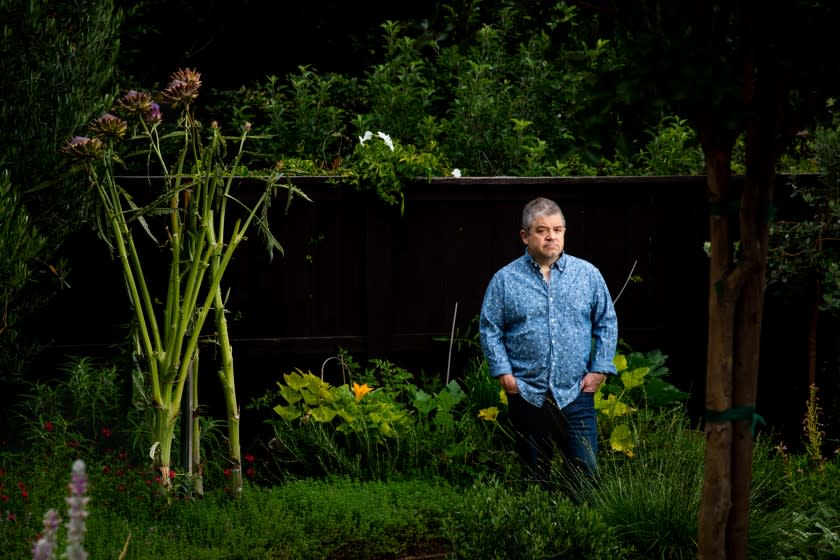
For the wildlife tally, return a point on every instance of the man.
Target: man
(549, 331)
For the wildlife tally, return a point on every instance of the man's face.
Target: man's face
(545, 239)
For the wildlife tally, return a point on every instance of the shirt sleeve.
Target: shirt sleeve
(604, 329)
(491, 328)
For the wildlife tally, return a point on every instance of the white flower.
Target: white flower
(386, 139)
(456, 172)
(368, 135)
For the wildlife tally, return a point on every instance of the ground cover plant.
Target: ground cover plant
(360, 502)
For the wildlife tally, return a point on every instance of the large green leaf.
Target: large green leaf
(324, 414)
(287, 412)
(622, 440)
(423, 401)
(635, 377)
(450, 396)
(291, 395)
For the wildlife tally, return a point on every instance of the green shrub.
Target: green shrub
(26, 279)
(386, 427)
(498, 522)
(57, 60)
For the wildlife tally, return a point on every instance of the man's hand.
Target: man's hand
(591, 381)
(508, 383)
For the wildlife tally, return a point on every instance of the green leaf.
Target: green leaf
(291, 395)
(621, 440)
(295, 380)
(324, 414)
(423, 401)
(634, 378)
(620, 362)
(450, 396)
(611, 406)
(287, 412)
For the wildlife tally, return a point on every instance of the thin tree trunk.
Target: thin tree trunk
(764, 96)
(749, 314)
(715, 500)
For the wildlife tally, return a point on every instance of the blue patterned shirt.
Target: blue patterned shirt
(548, 334)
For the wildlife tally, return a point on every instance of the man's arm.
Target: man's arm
(491, 331)
(604, 330)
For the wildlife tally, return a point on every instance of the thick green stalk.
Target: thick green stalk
(197, 469)
(117, 222)
(215, 282)
(186, 320)
(226, 376)
(173, 299)
(165, 422)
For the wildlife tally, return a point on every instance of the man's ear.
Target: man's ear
(524, 236)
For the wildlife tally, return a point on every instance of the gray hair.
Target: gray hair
(539, 207)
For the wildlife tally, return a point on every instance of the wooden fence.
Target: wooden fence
(359, 275)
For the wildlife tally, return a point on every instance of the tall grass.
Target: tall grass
(652, 499)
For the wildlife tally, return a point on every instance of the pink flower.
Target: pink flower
(249, 458)
(48, 426)
(106, 431)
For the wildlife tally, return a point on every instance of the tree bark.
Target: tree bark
(715, 500)
(764, 97)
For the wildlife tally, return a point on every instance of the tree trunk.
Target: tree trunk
(715, 500)
(736, 309)
(754, 237)
(764, 96)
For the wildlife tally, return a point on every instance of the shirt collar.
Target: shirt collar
(559, 264)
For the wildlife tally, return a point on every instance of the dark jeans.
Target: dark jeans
(541, 432)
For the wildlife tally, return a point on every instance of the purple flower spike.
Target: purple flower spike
(44, 549)
(77, 512)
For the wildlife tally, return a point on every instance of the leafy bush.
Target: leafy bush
(639, 386)
(674, 149)
(380, 432)
(26, 279)
(57, 59)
